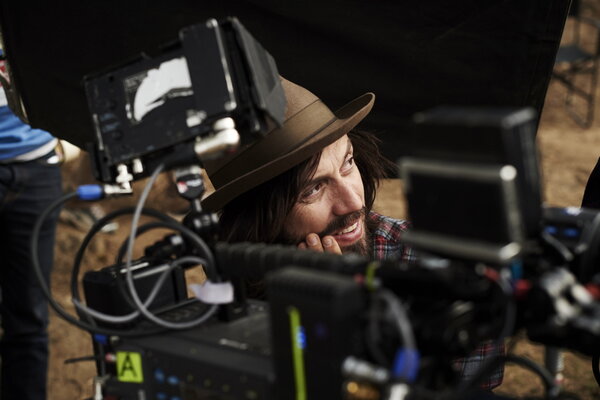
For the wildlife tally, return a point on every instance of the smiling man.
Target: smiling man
(311, 183)
(331, 204)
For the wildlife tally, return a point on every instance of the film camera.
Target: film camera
(491, 260)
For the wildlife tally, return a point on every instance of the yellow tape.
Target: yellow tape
(370, 275)
(129, 367)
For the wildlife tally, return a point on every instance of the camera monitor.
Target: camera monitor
(152, 109)
(462, 211)
(472, 182)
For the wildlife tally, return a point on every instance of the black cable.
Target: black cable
(101, 360)
(511, 309)
(589, 252)
(552, 390)
(44, 285)
(208, 261)
(132, 316)
(140, 231)
(34, 249)
(119, 260)
(97, 227)
(397, 316)
(373, 334)
(123, 249)
(489, 365)
(211, 271)
(561, 249)
(514, 340)
(596, 368)
(80, 359)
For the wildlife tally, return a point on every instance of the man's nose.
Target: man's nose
(347, 200)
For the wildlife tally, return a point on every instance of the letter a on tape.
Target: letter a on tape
(129, 367)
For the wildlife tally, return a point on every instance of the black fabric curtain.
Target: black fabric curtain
(413, 55)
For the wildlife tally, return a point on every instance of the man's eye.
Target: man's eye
(312, 191)
(349, 163)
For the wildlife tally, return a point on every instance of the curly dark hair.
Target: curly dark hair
(259, 214)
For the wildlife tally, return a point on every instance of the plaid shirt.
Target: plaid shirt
(387, 244)
(387, 238)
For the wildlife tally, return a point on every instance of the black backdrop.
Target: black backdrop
(413, 54)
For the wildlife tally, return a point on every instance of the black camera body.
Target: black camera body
(216, 360)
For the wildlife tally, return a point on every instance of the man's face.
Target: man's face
(332, 203)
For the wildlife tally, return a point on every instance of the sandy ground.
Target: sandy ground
(568, 154)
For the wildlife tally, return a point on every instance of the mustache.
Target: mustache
(343, 221)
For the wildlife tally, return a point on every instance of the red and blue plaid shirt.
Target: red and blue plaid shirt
(386, 235)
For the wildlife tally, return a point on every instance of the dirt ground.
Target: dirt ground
(568, 154)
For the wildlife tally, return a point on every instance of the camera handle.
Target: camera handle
(190, 186)
(190, 182)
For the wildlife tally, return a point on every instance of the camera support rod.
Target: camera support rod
(225, 140)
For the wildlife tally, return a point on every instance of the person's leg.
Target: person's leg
(24, 308)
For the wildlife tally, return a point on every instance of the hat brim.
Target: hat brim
(347, 117)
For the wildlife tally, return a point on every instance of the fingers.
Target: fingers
(331, 245)
(328, 244)
(313, 242)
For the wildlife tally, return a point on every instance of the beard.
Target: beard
(361, 246)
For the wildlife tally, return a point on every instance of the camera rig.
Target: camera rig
(190, 101)
(332, 326)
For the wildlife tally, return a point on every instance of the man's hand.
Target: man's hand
(325, 245)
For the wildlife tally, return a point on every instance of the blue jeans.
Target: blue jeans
(26, 189)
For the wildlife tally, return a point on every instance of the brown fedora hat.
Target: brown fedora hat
(309, 127)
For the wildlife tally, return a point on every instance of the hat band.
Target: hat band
(313, 118)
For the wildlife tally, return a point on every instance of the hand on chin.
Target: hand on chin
(327, 244)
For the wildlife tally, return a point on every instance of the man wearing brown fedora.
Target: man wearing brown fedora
(312, 183)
